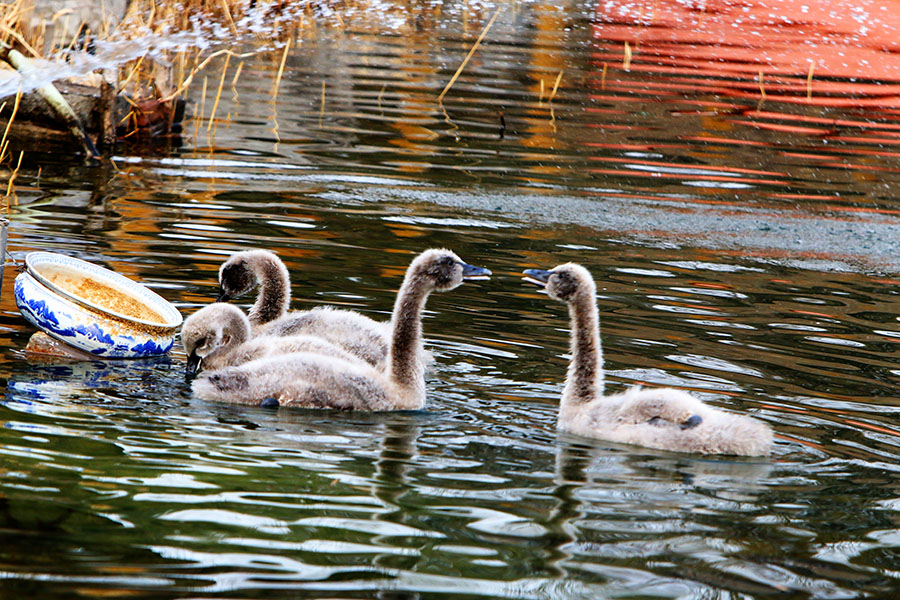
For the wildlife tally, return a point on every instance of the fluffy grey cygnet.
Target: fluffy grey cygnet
(218, 335)
(662, 418)
(317, 381)
(356, 333)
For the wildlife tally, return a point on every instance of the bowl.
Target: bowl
(94, 309)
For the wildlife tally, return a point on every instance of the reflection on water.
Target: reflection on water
(745, 262)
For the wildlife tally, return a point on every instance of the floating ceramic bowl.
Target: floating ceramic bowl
(94, 309)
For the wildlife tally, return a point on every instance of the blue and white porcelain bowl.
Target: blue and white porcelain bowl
(94, 309)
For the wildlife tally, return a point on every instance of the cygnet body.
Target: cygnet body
(662, 418)
(218, 335)
(316, 381)
(354, 332)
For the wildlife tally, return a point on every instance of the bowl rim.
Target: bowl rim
(32, 269)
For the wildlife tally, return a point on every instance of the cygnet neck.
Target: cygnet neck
(406, 337)
(584, 381)
(274, 291)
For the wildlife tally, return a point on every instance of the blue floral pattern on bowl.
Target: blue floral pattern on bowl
(86, 325)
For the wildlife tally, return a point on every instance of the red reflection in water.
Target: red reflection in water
(780, 39)
(757, 103)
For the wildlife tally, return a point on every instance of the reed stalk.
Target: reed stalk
(13, 175)
(4, 226)
(469, 55)
(227, 12)
(555, 87)
(212, 114)
(12, 117)
(133, 72)
(237, 74)
(762, 92)
(277, 84)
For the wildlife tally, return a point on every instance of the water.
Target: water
(752, 265)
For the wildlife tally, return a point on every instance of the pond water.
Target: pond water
(745, 248)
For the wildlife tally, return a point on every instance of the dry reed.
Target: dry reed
(762, 92)
(469, 55)
(555, 87)
(284, 55)
(237, 74)
(13, 175)
(4, 141)
(212, 114)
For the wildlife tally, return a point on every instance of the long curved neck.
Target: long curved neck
(406, 336)
(584, 381)
(274, 293)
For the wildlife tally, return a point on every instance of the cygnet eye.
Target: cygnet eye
(200, 343)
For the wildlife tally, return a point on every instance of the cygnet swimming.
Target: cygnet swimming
(354, 332)
(316, 381)
(218, 335)
(662, 418)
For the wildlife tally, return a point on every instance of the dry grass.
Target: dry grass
(143, 79)
(231, 22)
(13, 30)
(165, 80)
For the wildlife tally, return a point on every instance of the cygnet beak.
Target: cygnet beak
(193, 364)
(473, 273)
(538, 277)
(223, 297)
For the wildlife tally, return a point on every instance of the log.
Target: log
(104, 115)
(57, 103)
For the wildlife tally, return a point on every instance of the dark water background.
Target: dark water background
(744, 250)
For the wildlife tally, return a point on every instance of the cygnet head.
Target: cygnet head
(215, 327)
(441, 270)
(565, 283)
(240, 273)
